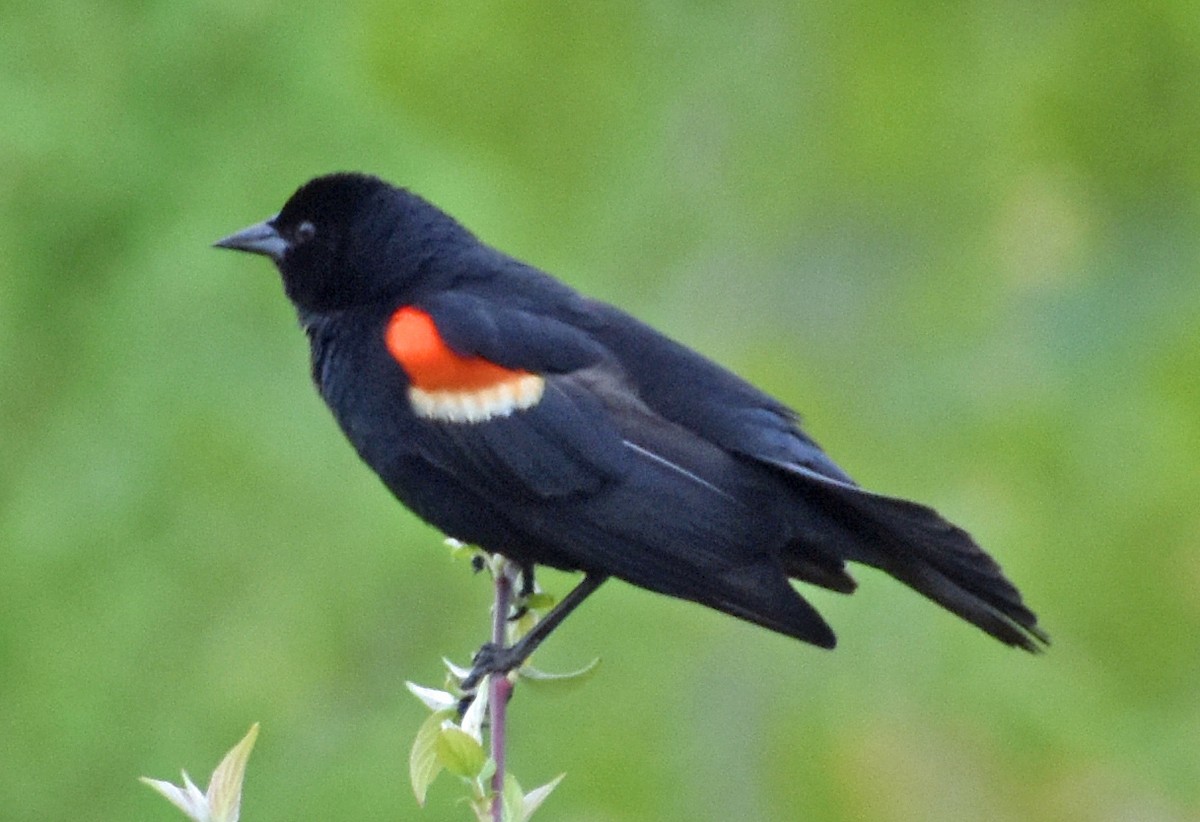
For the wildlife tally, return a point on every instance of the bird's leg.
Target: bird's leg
(494, 658)
(528, 588)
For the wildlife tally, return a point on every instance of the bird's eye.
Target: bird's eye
(305, 232)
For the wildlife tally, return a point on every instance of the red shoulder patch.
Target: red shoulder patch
(413, 340)
(448, 386)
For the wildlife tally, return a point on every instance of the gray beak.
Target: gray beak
(260, 238)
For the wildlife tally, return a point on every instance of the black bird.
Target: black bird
(513, 413)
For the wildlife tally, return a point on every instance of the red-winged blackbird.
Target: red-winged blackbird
(515, 414)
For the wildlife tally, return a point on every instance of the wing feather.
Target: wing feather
(512, 337)
(693, 391)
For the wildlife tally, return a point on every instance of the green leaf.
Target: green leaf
(522, 626)
(459, 753)
(541, 601)
(225, 786)
(544, 680)
(485, 773)
(461, 550)
(534, 799)
(482, 808)
(223, 800)
(423, 762)
(512, 799)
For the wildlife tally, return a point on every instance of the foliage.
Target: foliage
(458, 747)
(222, 802)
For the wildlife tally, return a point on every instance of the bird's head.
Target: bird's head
(344, 240)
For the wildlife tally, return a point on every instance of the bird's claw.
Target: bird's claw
(489, 659)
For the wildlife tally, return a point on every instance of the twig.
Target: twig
(500, 687)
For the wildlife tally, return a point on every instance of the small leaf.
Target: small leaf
(461, 550)
(522, 626)
(456, 671)
(459, 753)
(423, 762)
(542, 679)
(434, 700)
(225, 786)
(534, 799)
(222, 802)
(188, 799)
(541, 601)
(486, 772)
(472, 721)
(513, 799)
(482, 808)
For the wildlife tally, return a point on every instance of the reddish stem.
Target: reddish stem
(500, 688)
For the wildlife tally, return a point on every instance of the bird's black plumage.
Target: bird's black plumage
(511, 412)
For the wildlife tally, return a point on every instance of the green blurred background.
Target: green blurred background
(960, 238)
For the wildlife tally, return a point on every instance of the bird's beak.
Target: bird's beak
(260, 238)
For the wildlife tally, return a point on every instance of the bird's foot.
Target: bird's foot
(492, 659)
(489, 659)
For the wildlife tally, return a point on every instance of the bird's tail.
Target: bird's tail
(936, 558)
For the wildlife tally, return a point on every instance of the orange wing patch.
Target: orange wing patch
(447, 386)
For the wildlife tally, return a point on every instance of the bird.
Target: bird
(514, 413)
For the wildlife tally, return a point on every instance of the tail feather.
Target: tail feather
(914, 544)
(1012, 624)
(819, 569)
(760, 594)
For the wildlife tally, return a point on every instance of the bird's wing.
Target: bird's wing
(510, 336)
(695, 392)
(495, 408)
(577, 422)
(596, 479)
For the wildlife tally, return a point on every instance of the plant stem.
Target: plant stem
(500, 686)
